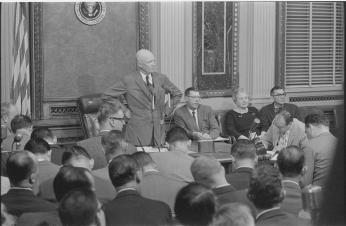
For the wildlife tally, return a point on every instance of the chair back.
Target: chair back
(88, 107)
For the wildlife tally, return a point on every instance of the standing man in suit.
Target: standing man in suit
(129, 207)
(22, 171)
(198, 120)
(144, 92)
(324, 145)
(245, 160)
(291, 165)
(269, 111)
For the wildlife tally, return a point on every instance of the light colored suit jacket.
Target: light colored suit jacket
(206, 121)
(139, 97)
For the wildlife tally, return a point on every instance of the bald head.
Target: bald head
(146, 61)
(20, 167)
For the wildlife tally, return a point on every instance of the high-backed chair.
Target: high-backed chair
(88, 106)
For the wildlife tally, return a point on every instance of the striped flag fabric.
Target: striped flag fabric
(20, 81)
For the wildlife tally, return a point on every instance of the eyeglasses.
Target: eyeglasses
(279, 94)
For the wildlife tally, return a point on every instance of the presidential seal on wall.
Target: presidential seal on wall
(90, 13)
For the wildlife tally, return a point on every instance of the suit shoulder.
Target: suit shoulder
(292, 106)
(266, 107)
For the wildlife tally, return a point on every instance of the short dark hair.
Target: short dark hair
(19, 166)
(107, 109)
(142, 158)
(74, 151)
(69, 178)
(275, 88)
(122, 169)
(20, 122)
(265, 188)
(112, 142)
(237, 214)
(195, 204)
(188, 90)
(291, 161)
(42, 132)
(78, 207)
(286, 115)
(316, 119)
(176, 134)
(244, 149)
(37, 146)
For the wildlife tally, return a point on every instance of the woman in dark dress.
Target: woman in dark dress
(242, 120)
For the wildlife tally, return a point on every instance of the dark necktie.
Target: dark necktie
(148, 82)
(194, 116)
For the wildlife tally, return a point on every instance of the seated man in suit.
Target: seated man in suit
(22, 171)
(291, 165)
(233, 214)
(46, 169)
(110, 117)
(80, 207)
(176, 162)
(46, 134)
(245, 160)
(266, 193)
(128, 207)
(324, 145)
(269, 111)
(153, 184)
(195, 205)
(67, 179)
(198, 120)
(21, 126)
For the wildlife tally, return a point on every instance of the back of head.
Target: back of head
(69, 178)
(108, 109)
(43, 133)
(77, 156)
(316, 119)
(265, 188)
(20, 166)
(291, 161)
(195, 204)
(176, 134)
(37, 146)
(142, 159)
(20, 122)
(234, 214)
(78, 208)
(112, 143)
(122, 170)
(204, 169)
(244, 149)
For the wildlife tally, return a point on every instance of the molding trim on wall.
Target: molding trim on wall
(316, 98)
(280, 44)
(36, 60)
(143, 26)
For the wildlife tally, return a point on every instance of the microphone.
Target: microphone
(140, 143)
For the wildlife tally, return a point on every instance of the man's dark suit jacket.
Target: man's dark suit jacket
(292, 202)
(19, 201)
(277, 217)
(268, 114)
(50, 218)
(129, 208)
(240, 178)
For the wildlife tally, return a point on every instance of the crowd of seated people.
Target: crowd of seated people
(130, 187)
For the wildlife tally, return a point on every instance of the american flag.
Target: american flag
(20, 81)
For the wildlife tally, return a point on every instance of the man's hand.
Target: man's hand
(206, 136)
(128, 113)
(197, 135)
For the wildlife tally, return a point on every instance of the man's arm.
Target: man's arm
(175, 93)
(114, 92)
(267, 138)
(179, 120)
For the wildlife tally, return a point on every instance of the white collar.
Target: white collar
(266, 211)
(291, 181)
(144, 77)
(19, 188)
(222, 185)
(127, 189)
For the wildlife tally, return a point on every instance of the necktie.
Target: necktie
(148, 82)
(194, 116)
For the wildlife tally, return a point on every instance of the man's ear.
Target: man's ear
(139, 176)
(304, 170)
(189, 143)
(282, 194)
(33, 178)
(92, 162)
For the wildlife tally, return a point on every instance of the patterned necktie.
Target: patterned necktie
(194, 116)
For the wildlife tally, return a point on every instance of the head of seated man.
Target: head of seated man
(177, 140)
(69, 178)
(77, 156)
(111, 116)
(283, 121)
(44, 133)
(81, 207)
(233, 214)
(21, 124)
(195, 205)
(192, 98)
(278, 95)
(316, 124)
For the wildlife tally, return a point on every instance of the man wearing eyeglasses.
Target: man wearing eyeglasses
(198, 120)
(269, 111)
